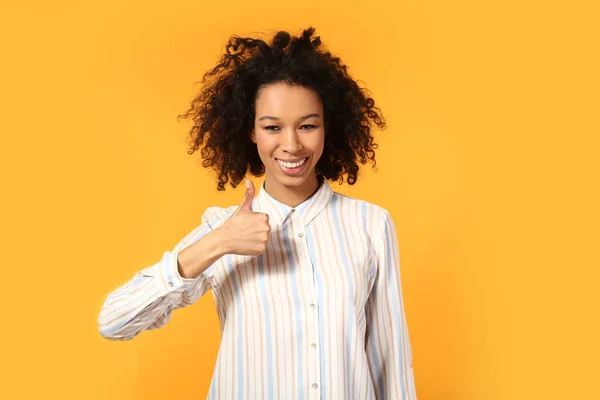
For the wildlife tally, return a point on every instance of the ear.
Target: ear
(253, 136)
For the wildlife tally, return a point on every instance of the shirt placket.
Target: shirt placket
(314, 359)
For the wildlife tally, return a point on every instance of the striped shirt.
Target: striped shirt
(318, 315)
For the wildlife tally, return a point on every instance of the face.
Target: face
(289, 133)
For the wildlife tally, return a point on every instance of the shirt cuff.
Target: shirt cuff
(169, 273)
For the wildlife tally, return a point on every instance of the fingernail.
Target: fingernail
(248, 183)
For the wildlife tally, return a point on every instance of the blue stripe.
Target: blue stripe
(375, 353)
(213, 386)
(350, 306)
(240, 329)
(372, 348)
(169, 258)
(392, 270)
(265, 302)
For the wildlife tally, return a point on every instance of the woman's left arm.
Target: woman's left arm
(387, 342)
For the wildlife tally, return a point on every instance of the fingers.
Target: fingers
(249, 196)
(266, 221)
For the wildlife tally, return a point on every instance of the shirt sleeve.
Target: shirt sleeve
(147, 300)
(387, 342)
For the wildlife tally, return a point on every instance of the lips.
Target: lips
(293, 164)
(292, 161)
(292, 168)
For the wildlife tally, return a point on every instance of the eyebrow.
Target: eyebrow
(301, 118)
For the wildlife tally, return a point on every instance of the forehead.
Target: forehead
(281, 100)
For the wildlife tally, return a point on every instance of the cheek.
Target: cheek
(319, 145)
(264, 144)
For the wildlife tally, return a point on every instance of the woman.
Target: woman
(305, 280)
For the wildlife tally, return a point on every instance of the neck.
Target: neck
(292, 195)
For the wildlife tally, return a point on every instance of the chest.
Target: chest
(331, 265)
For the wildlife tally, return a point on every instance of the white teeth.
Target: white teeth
(291, 165)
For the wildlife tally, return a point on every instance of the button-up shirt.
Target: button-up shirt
(318, 315)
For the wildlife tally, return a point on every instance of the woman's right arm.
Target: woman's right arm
(182, 276)
(179, 279)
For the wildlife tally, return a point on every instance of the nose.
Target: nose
(291, 141)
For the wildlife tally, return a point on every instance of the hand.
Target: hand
(246, 232)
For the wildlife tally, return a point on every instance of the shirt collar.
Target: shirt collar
(306, 211)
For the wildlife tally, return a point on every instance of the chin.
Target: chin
(291, 180)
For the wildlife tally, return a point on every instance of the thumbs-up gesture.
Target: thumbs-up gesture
(246, 232)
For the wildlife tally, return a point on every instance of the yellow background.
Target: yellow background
(489, 167)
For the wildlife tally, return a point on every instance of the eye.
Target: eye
(308, 126)
(268, 128)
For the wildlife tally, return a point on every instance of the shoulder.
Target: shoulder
(373, 210)
(377, 220)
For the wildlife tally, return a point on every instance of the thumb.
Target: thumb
(249, 196)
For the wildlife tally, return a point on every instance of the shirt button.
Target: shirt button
(312, 306)
(301, 235)
(170, 284)
(315, 386)
(314, 346)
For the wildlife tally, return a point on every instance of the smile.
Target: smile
(292, 165)
(292, 168)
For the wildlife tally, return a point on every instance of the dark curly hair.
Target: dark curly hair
(224, 111)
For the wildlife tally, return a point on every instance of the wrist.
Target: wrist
(196, 258)
(219, 238)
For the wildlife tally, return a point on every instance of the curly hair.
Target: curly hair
(224, 110)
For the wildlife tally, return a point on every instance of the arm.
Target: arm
(179, 279)
(387, 340)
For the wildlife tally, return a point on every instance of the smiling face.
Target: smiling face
(289, 133)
